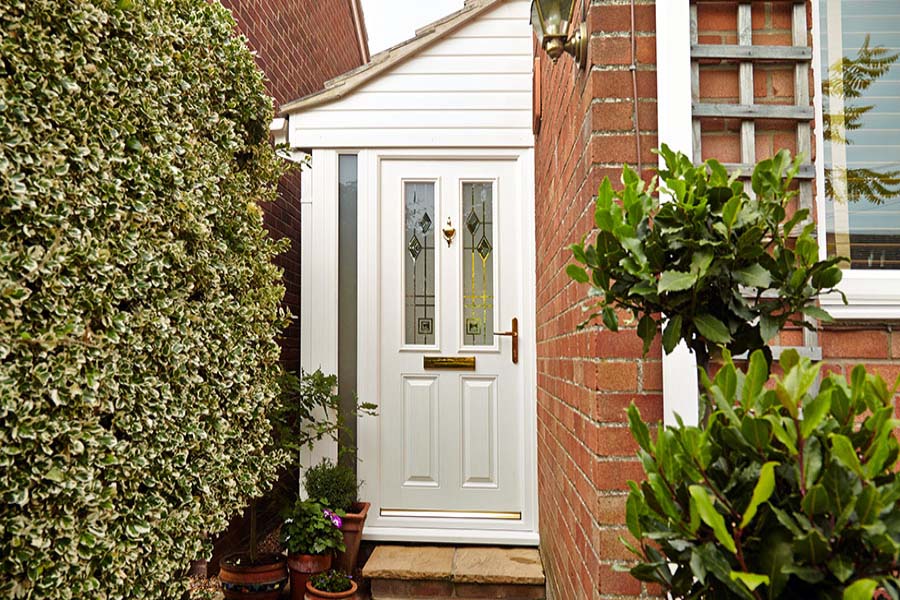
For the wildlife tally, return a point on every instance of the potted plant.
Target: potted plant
(330, 585)
(337, 486)
(311, 534)
(252, 575)
(296, 423)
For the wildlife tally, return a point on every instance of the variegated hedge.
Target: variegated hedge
(138, 303)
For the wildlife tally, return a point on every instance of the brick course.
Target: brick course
(299, 45)
(587, 378)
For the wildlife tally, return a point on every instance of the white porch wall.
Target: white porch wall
(470, 89)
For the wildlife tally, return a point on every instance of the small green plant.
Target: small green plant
(787, 493)
(335, 484)
(711, 267)
(310, 528)
(298, 420)
(333, 581)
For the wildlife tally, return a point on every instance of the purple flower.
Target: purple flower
(335, 520)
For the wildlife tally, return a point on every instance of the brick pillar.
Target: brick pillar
(587, 378)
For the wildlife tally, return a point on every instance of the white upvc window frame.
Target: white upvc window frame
(673, 77)
(871, 293)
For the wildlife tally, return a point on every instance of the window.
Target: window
(859, 133)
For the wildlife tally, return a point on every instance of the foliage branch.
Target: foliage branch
(310, 411)
(788, 492)
(710, 267)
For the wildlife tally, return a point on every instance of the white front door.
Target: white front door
(452, 398)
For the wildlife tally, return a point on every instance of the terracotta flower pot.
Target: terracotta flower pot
(262, 580)
(354, 522)
(314, 594)
(302, 567)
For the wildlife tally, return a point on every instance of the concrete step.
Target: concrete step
(474, 572)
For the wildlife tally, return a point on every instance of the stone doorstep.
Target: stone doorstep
(404, 572)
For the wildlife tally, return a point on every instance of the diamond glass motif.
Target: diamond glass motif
(414, 247)
(425, 223)
(484, 247)
(472, 221)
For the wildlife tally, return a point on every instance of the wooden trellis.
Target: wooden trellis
(746, 54)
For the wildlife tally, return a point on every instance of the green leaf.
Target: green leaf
(812, 460)
(672, 334)
(841, 567)
(639, 430)
(751, 580)
(754, 276)
(755, 379)
(813, 547)
(867, 505)
(779, 554)
(814, 412)
(674, 281)
(816, 501)
(647, 331)
(761, 492)
(700, 262)
(577, 273)
(757, 431)
(712, 329)
(610, 319)
(730, 211)
(842, 450)
(708, 513)
(861, 589)
(817, 313)
(768, 327)
(632, 515)
(54, 474)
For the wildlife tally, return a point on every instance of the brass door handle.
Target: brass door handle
(514, 334)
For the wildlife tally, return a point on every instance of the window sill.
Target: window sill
(870, 295)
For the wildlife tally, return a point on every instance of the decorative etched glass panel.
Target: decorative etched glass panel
(419, 252)
(478, 264)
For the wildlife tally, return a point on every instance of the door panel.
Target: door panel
(421, 430)
(451, 440)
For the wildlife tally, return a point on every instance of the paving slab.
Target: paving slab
(518, 566)
(410, 562)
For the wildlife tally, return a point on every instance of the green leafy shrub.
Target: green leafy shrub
(334, 484)
(333, 581)
(787, 493)
(681, 265)
(298, 420)
(138, 303)
(310, 528)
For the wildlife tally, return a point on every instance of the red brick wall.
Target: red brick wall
(300, 44)
(587, 378)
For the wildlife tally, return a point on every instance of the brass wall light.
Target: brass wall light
(551, 20)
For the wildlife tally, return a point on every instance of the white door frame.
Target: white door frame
(319, 330)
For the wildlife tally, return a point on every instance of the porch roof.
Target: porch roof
(387, 60)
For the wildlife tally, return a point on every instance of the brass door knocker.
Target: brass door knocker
(449, 231)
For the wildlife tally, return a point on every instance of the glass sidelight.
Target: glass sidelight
(420, 267)
(478, 263)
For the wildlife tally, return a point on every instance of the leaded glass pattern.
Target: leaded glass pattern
(478, 264)
(419, 263)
